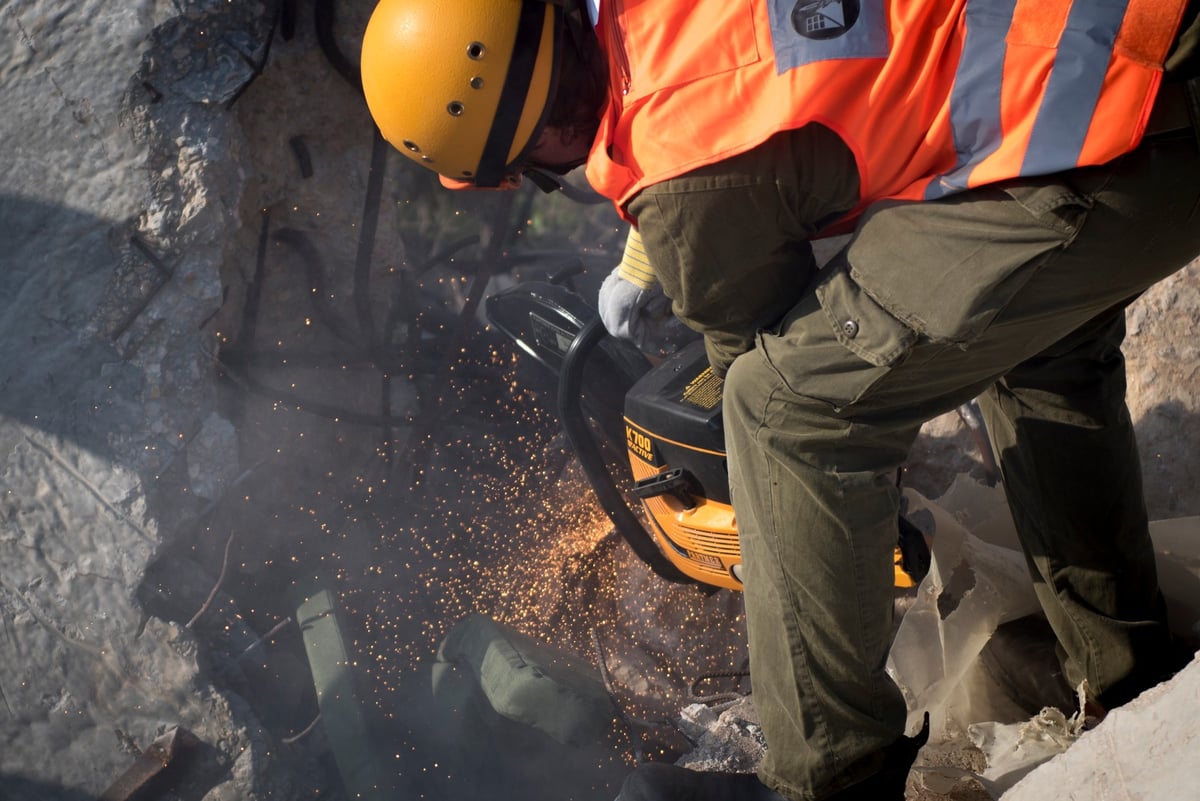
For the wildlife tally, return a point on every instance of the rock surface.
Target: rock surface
(119, 187)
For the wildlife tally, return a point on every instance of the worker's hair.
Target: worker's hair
(582, 86)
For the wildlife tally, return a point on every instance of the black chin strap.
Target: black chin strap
(493, 161)
(571, 15)
(548, 182)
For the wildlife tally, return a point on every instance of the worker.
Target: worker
(1013, 174)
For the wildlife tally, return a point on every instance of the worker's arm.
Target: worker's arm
(729, 242)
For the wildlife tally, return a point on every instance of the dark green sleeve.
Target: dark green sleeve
(729, 242)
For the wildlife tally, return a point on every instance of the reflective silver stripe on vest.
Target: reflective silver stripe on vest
(975, 99)
(1074, 88)
(1070, 99)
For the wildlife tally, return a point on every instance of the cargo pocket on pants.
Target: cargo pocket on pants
(837, 342)
(947, 267)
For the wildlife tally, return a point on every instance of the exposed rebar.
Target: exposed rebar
(216, 587)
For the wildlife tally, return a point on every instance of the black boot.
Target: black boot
(1021, 657)
(657, 782)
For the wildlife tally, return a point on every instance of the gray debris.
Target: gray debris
(727, 738)
(212, 457)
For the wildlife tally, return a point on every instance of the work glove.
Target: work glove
(633, 306)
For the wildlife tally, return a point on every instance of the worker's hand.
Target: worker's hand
(633, 306)
(635, 313)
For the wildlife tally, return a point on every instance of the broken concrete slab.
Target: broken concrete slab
(1146, 750)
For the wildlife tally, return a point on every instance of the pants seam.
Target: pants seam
(821, 724)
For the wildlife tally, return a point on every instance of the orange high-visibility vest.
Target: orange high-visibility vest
(932, 96)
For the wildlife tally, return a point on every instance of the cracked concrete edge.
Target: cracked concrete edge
(1146, 750)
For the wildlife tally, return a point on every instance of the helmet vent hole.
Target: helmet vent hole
(411, 145)
(467, 173)
(427, 159)
(455, 108)
(477, 82)
(475, 51)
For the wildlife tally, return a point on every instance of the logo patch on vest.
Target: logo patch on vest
(807, 31)
(824, 19)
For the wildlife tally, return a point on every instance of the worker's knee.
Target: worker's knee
(748, 387)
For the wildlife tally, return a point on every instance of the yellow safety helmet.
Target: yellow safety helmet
(462, 87)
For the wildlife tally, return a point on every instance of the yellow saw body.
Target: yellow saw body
(670, 413)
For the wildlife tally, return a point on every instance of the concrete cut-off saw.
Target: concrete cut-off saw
(667, 417)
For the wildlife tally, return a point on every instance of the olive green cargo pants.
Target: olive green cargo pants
(1016, 293)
